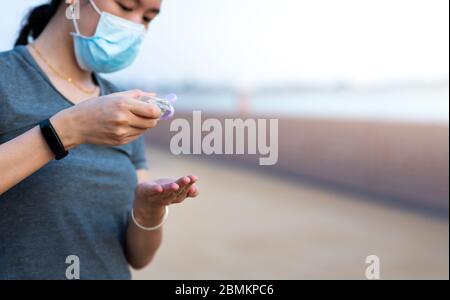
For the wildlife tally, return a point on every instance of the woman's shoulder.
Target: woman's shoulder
(20, 85)
(10, 57)
(14, 71)
(11, 63)
(5, 55)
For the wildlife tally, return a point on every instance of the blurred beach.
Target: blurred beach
(419, 102)
(249, 224)
(355, 177)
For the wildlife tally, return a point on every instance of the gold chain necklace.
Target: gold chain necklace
(68, 79)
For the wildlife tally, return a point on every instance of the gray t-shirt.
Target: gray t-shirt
(76, 206)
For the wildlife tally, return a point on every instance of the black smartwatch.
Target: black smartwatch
(52, 139)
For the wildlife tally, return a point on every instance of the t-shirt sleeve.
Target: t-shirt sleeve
(138, 157)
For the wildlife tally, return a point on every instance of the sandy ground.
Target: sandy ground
(249, 225)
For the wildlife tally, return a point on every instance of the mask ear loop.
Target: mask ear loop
(95, 7)
(74, 21)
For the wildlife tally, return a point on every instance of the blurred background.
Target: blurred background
(361, 91)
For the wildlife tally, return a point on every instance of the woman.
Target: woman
(93, 201)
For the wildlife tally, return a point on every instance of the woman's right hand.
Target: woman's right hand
(111, 120)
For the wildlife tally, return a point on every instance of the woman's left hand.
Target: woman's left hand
(153, 196)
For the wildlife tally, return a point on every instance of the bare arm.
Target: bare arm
(149, 208)
(110, 120)
(27, 153)
(142, 245)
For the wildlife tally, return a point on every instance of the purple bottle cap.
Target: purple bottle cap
(172, 98)
(165, 104)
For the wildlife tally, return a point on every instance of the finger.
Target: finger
(193, 192)
(184, 190)
(183, 181)
(193, 178)
(170, 187)
(148, 94)
(135, 132)
(151, 189)
(170, 194)
(143, 109)
(142, 123)
(135, 94)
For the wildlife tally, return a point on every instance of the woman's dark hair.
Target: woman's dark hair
(37, 20)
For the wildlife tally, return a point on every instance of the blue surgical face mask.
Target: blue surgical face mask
(113, 47)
